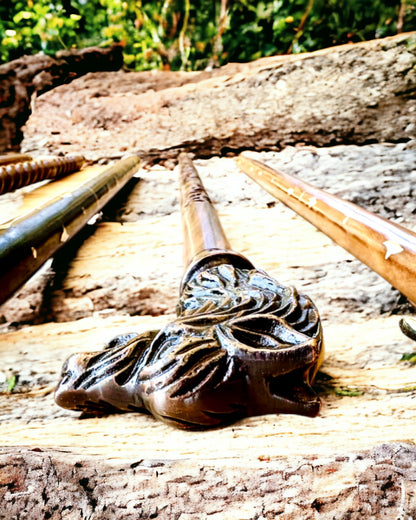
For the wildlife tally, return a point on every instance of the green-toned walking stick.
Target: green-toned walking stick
(242, 344)
(27, 242)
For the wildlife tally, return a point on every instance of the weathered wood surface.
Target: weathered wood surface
(378, 484)
(357, 459)
(32, 75)
(350, 94)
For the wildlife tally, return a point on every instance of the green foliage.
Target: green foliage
(194, 34)
(411, 358)
(348, 392)
(11, 383)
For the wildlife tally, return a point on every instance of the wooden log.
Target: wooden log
(374, 484)
(32, 75)
(356, 93)
(356, 458)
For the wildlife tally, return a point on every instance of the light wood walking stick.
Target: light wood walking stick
(387, 248)
(12, 158)
(242, 344)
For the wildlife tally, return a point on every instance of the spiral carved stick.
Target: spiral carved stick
(387, 248)
(27, 242)
(242, 344)
(14, 176)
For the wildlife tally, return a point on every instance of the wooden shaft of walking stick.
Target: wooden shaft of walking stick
(11, 158)
(202, 228)
(387, 248)
(26, 243)
(205, 242)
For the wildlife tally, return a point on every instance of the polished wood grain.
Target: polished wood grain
(18, 174)
(387, 248)
(11, 158)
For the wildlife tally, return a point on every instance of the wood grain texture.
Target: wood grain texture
(27, 243)
(357, 459)
(21, 202)
(367, 88)
(393, 247)
(376, 484)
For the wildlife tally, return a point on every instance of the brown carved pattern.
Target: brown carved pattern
(14, 176)
(196, 194)
(194, 191)
(242, 344)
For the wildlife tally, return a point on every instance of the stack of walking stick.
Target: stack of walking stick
(242, 343)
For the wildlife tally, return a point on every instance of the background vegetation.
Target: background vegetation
(195, 34)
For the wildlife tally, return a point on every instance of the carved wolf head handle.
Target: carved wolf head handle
(242, 344)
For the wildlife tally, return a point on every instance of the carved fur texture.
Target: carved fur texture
(242, 344)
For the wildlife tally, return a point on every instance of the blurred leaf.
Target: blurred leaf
(11, 383)
(150, 30)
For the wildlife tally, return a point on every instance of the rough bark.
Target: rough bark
(33, 75)
(380, 483)
(357, 93)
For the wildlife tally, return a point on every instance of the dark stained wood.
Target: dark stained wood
(242, 343)
(27, 242)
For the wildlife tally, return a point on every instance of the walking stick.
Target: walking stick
(11, 158)
(14, 176)
(387, 248)
(27, 242)
(242, 344)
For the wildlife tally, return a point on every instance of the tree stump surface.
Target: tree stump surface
(356, 460)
